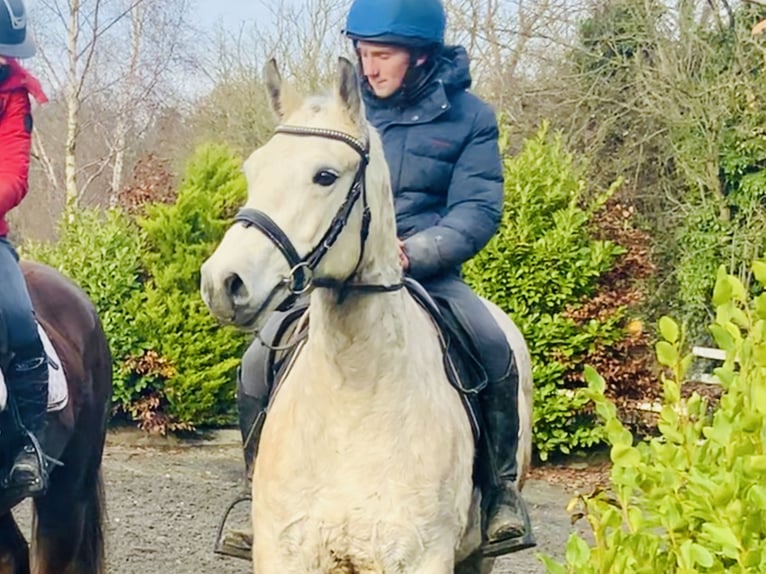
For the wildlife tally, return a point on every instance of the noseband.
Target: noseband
(301, 278)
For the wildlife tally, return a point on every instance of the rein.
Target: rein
(301, 277)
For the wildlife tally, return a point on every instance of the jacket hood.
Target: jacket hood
(17, 78)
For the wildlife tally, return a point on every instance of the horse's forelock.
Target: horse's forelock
(326, 111)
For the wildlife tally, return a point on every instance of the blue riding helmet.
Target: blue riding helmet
(408, 23)
(15, 39)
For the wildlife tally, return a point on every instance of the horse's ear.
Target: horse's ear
(348, 89)
(273, 81)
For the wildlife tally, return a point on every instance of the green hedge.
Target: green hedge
(692, 499)
(174, 365)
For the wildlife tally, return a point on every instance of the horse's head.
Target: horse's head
(319, 208)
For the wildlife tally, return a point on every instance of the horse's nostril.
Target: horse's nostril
(235, 287)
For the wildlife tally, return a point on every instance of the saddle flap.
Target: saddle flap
(459, 349)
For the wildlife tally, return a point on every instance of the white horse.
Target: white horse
(366, 457)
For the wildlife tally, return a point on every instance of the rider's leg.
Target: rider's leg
(254, 380)
(252, 399)
(26, 376)
(499, 404)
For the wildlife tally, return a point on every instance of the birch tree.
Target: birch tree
(112, 57)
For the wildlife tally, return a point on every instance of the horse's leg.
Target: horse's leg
(68, 530)
(14, 553)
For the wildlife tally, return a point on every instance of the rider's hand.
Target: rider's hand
(403, 259)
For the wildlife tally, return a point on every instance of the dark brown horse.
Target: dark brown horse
(68, 535)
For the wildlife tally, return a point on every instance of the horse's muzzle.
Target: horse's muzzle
(226, 296)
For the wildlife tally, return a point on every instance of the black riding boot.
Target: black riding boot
(252, 414)
(500, 411)
(28, 387)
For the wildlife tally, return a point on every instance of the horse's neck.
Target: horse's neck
(365, 335)
(363, 338)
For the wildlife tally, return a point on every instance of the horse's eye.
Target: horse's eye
(325, 178)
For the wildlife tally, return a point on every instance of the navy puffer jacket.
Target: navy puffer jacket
(446, 172)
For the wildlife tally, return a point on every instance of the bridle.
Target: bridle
(301, 277)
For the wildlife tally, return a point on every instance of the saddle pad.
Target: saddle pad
(58, 393)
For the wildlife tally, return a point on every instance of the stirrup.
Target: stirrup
(514, 544)
(43, 459)
(43, 462)
(224, 544)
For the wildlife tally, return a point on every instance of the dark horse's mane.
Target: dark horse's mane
(69, 525)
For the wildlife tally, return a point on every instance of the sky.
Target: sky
(233, 12)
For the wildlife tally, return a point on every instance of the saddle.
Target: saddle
(461, 365)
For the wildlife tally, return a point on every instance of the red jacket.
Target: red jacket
(15, 137)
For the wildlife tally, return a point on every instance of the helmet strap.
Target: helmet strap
(419, 71)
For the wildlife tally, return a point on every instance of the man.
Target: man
(440, 142)
(27, 372)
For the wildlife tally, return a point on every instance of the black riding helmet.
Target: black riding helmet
(15, 39)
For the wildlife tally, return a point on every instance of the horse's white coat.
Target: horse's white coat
(366, 456)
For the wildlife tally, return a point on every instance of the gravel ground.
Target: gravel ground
(165, 498)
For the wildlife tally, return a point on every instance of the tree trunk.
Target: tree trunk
(73, 107)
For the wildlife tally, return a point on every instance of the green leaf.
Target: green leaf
(756, 463)
(759, 271)
(635, 517)
(757, 496)
(722, 337)
(625, 455)
(551, 566)
(669, 329)
(672, 391)
(595, 381)
(666, 353)
(740, 317)
(738, 291)
(687, 561)
(760, 305)
(722, 291)
(759, 396)
(701, 555)
(723, 535)
(578, 551)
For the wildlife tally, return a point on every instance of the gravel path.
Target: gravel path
(165, 499)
